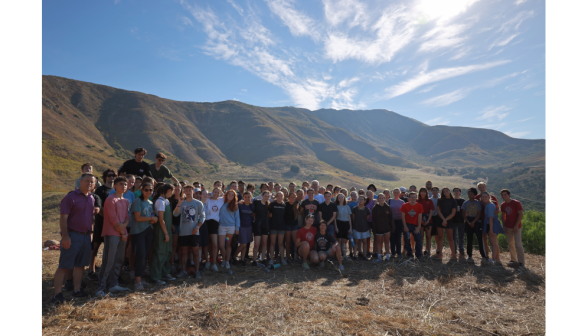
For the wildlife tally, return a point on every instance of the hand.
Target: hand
(173, 229)
(166, 238)
(195, 231)
(444, 222)
(336, 229)
(471, 225)
(180, 202)
(242, 202)
(65, 242)
(406, 229)
(515, 229)
(237, 232)
(153, 220)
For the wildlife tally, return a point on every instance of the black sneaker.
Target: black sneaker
(243, 263)
(369, 254)
(80, 294)
(93, 276)
(354, 258)
(57, 299)
(121, 281)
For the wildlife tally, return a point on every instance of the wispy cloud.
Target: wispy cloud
(427, 89)
(519, 134)
(347, 82)
(492, 112)
(443, 37)
(448, 98)
(526, 119)
(516, 22)
(436, 75)
(502, 42)
(238, 8)
(520, 2)
(351, 12)
(437, 121)
(298, 23)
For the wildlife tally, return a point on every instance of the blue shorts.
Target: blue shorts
(177, 229)
(78, 254)
(361, 235)
(292, 228)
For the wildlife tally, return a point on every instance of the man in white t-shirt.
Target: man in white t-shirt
(319, 197)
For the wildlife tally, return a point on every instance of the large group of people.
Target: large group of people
(162, 232)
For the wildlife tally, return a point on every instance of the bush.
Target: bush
(295, 169)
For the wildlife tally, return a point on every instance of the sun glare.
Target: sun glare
(442, 10)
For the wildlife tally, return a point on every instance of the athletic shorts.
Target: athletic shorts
(176, 229)
(212, 226)
(361, 235)
(225, 230)
(261, 227)
(343, 227)
(292, 227)
(381, 234)
(78, 254)
(277, 232)
(203, 233)
(439, 224)
(191, 240)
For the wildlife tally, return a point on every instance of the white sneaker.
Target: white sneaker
(214, 268)
(101, 293)
(118, 288)
(207, 265)
(168, 277)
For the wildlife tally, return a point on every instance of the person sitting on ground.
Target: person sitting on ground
(326, 246)
(305, 242)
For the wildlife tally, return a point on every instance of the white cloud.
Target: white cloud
(185, 21)
(492, 112)
(520, 2)
(442, 10)
(519, 134)
(436, 121)
(238, 8)
(393, 31)
(347, 82)
(436, 75)
(351, 11)
(443, 37)
(427, 89)
(503, 42)
(298, 23)
(447, 98)
(515, 23)
(461, 53)
(526, 119)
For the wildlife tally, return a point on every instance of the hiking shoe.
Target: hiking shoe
(498, 263)
(470, 260)
(198, 275)
(322, 264)
(117, 288)
(426, 254)
(214, 268)
(101, 293)
(159, 283)
(207, 265)
(341, 267)
(182, 274)
(168, 277)
(139, 286)
(521, 265)
(305, 266)
(80, 294)
(93, 276)
(513, 264)
(284, 262)
(57, 299)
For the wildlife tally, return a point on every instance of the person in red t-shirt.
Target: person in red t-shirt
(512, 216)
(305, 242)
(428, 208)
(482, 187)
(412, 217)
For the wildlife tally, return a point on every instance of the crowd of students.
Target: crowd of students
(162, 231)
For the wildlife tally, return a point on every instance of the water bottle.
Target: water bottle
(351, 241)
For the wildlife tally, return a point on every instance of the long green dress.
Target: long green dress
(162, 251)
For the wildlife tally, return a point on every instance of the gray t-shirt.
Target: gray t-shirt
(343, 213)
(360, 223)
(395, 205)
(191, 213)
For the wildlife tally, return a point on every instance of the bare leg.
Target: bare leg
(450, 241)
(213, 247)
(387, 242)
(281, 246)
(272, 251)
(59, 279)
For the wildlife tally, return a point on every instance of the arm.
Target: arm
(453, 211)
(175, 180)
(139, 218)
(420, 221)
(518, 224)
(237, 221)
(298, 242)
(65, 240)
(162, 225)
(404, 222)
(350, 223)
(333, 219)
(440, 214)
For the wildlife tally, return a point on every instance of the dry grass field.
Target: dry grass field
(406, 298)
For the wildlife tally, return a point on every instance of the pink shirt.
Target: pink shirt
(116, 210)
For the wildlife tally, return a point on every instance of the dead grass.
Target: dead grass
(430, 298)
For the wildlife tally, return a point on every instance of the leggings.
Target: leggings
(396, 238)
(141, 246)
(470, 232)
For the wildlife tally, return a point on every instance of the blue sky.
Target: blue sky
(469, 63)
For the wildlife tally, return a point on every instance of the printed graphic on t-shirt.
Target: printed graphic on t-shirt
(322, 243)
(309, 236)
(508, 210)
(472, 209)
(190, 214)
(311, 208)
(214, 208)
(412, 213)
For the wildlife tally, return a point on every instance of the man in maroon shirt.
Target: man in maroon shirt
(512, 216)
(75, 222)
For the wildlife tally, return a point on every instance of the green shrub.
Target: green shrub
(295, 169)
(533, 233)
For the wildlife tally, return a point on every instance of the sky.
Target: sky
(474, 63)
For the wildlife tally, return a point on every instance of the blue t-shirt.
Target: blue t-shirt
(352, 204)
(145, 209)
(246, 214)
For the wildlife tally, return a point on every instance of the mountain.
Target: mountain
(90, 122)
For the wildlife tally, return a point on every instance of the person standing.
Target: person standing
(160, 267)
(472, 211)
(86, 168)
(412, 218)
(343, 226)
(116, 219)
(458, 231)
(482, 188)
(291, 219)
(75, 222)
(159, 171)
(382, 225)
(276, 213)
(310, 207)
(103, 191)
(317, 196)
(396, 236)
(512, 217)
(261, 229)
(247, 216)
(492, 227)
(176, 220)
(142, 220)
(192, 214)
(136, 166)
(229, 224)
(361, 232)
(328, 213)
(213, 206)
(446, 210)
(427, 223)
(370, 202)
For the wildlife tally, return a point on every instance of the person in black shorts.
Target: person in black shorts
(446, 210)
(261, 229)
(459, 230)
